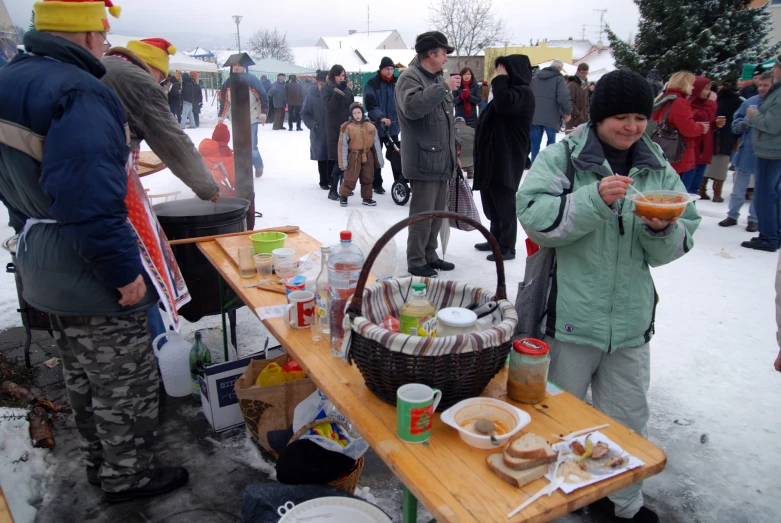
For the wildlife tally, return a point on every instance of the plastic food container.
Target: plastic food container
(527, 378)
(507, 418)
(453, 321)
(664, 205)
(265, 242)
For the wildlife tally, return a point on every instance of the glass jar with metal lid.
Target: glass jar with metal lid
(528, 374)
(453, 321)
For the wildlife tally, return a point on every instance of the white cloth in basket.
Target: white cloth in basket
(388, 297)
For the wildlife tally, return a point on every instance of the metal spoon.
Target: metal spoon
(486, 426)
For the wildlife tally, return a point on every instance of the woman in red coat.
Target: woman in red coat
(704, 109)
(681, 118)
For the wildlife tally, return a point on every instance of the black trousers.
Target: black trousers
(499, 207)
(324, 167)
(294, 115)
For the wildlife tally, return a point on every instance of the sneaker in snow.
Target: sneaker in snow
(343, 201)
(370, 202)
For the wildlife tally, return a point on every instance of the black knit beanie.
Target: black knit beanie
(386, 62)
(621, 92)
(322, 76)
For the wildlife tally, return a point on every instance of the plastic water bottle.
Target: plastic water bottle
(200, 358)
(344, 269)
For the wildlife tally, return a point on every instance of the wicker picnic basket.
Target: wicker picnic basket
(348, 482)
(384, 357)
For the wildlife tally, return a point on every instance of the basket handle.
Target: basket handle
(356, 304)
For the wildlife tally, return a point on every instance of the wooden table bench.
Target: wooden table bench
(450, 478)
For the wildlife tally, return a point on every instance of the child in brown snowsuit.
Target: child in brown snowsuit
(358, 147)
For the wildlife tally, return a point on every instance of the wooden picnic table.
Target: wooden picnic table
(450, 478)
(5, 512)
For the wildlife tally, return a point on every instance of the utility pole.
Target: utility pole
(368, 20)
(237, 19)
(601, 25)
(583, 34)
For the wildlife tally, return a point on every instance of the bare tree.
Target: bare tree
(268, 43)
(318, 63)
(470, 25)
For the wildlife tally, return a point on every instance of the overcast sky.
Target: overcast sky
(189, 23)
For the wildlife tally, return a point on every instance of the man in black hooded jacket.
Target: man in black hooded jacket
(502, 145)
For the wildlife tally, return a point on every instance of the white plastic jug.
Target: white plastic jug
(174, 362)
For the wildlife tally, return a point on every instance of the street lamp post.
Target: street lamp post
(237, 19)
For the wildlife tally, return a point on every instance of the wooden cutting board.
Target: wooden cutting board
(149, 163)
(230, 245)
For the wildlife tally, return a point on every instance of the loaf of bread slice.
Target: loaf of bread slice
(517, 478)
(525, 464)
(530, 446)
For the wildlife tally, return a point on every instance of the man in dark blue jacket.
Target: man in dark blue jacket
(380, 100)
(63, 150)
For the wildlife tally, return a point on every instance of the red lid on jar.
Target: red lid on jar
(345, 236)
(531, 347)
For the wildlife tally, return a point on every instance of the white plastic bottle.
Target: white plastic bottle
(344, 269)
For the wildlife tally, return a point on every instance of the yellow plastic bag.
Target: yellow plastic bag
(271, 375)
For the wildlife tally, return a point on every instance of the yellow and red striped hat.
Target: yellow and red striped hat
(154, 51)
(74, 16)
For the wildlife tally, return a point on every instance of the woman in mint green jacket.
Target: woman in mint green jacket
(602, 300)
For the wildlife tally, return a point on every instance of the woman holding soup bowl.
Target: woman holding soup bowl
(602, 301)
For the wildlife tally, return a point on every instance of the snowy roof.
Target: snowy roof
(274, 66)
(177, 62)
(200, 52)
(580, 48)
(568, 69)
(319, 58)
(360, 41)
(600, 62)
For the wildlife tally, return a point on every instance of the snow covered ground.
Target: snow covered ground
(713, 392)
(24, 470)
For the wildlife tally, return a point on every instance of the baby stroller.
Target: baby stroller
(400, 190)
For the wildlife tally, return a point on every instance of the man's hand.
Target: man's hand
(454, 82)
(613, 188)
(216, 198)
(386, 121)
(778, 362)
(501, 70)
(132, 293)
(655, 223)
(751, 111)
(262, 119)
(349, 84)
(706, 125)
(567, 117)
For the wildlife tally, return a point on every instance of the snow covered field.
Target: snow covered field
(714, 392)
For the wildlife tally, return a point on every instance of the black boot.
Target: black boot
(332, 193)
(164, 480)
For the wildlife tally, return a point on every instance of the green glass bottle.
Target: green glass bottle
(200, 358)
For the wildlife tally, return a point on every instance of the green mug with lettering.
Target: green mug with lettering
(415, 406)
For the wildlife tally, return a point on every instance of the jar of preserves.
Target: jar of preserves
(453, 321)
(528, 374)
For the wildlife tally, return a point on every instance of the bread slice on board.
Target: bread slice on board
(525, 464)
(530, 446)
(517, 478)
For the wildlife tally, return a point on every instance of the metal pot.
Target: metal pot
(193, 218)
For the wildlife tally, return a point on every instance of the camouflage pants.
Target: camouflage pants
(113, 383)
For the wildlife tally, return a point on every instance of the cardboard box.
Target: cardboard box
(218, 395)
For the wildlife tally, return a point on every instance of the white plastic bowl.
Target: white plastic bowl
(495, 410)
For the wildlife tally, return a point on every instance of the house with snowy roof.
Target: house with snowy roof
(356, 52)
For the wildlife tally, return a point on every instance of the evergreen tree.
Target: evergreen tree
(709, 37)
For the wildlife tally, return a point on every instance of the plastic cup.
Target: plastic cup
(286, 269)
(247, 262)
(264, 263)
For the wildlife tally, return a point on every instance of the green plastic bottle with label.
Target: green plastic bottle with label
(417, 312)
